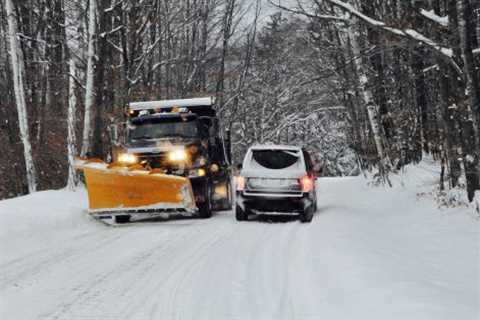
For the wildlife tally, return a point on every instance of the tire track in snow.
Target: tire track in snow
(33, 255)
(253, 274)
(137, 287)
(267, 269)
(203, 275)
(190, 262)
(289, 294)
(31, 266)
(185, 275)
(87, 296)
(285, 307)
(300, 274)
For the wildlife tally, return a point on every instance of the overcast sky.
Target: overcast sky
(267, 10)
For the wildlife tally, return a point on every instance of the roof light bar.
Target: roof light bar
(148, 105)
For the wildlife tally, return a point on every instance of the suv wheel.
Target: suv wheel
(307, 215)
(240, 215)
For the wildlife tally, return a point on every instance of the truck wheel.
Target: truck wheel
(205, 208)
(307, 215)
(122, 219)
(204, 211)
(240, 215)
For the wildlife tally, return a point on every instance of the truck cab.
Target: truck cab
(183, 138)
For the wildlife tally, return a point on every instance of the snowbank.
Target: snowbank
(43, 211)
(423, 180)
(38, 220)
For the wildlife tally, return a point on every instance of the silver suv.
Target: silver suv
(276, 179)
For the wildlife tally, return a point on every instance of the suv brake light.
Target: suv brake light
(306, 183)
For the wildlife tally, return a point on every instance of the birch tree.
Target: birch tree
(71, 137)
(73, 47)
(472, 89)
(17, 65)
(89, 91)
(372, 109)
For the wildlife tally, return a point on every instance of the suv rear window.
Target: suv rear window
(275, 159)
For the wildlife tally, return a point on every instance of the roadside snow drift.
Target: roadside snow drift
(370, 253)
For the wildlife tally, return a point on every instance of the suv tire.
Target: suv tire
(240, 215)
(307, 215)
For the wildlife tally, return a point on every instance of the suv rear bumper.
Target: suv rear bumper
(271, 202)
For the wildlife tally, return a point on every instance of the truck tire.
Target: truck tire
(205, 208)
(223, 203)
(240, 215)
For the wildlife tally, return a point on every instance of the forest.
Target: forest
(366, 85)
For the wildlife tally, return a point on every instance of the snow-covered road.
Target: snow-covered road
(368, 254)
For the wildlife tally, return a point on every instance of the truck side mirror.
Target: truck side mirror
(205, 124)
(203, 130)
(228, 145)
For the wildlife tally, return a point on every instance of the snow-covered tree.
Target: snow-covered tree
(393, 80)
(89, 90)
(17, 65)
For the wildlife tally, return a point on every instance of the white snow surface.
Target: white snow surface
(370, 253)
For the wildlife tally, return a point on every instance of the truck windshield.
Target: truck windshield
(146, 131)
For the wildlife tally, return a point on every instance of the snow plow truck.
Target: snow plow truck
(174, 158)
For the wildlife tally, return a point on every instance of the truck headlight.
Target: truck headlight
(200, 172)
(177, 155)
(127, 158)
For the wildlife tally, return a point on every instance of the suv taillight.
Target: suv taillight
(307, 183)
(240, 182)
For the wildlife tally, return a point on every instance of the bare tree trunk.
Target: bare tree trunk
(227, 26)
(472, 163)
(477, 12)
(372, 110)
(89, 94)
(71, 138)
(351, 101)
(18, 82)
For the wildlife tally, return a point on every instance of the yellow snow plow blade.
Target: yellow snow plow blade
(115, 188)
